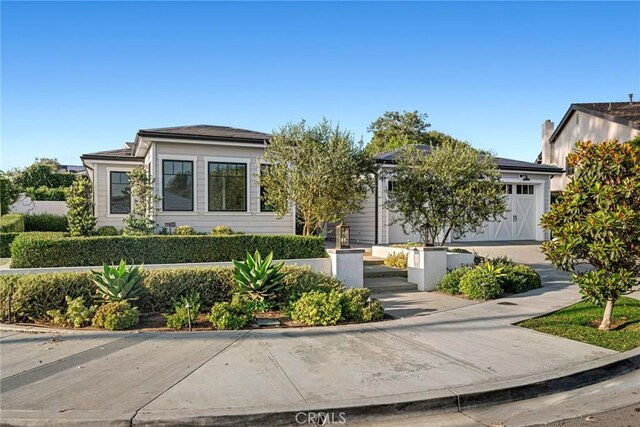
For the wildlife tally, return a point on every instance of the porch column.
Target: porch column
(426, 266)
(347, 265)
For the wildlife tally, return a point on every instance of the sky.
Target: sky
(78, 77)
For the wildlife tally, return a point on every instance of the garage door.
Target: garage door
(519, 222)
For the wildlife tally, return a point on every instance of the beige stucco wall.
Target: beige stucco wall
(583, 127)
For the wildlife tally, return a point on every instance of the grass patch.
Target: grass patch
(580, 322)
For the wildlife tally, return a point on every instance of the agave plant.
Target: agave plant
(257, 278)
(118, 283)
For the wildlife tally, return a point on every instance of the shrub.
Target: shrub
(458, 251)
(233, 315)
(5, 244)
(9, 193)
(222, 230)
(118, 283)
(300, 280)
(480, 283)
(181, 316)
(258, 279)
(45, 222)
(47, 193)
(450, 282)
(140, 221)
(184, 230)
(107, 230)
(318, 308)
(520, 278)
(396, 260)
(357, 306)
(12, 223)
(80, 206)
(116, 316)
(47, 251)
(76, 315)
(501, 261)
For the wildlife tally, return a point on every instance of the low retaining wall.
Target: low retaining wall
(454, 259)
(25, 205)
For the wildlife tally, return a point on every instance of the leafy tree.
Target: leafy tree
(8, 193)
(394, 130)
(43, 173)
(321, 169)
(456, 189)
(80, 207)
(596, 221)
(141, 219)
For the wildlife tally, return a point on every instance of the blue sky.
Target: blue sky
(85, 76)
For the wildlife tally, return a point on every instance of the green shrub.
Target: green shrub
(119, 283)
(520, 278)
(458, 251)
(5, 244)
(396, 260)
(222, 230)
(182, 316)
(46, 193)
(184, 230)
(258, 279)
(76, 315)
(357, 306)
(45, 222)
(116, 316)
(318, 308)
(450, 282)
(12, 223)
(230, 315)
(46, 251)
(300, 280)
(480, 283)
(107, 230)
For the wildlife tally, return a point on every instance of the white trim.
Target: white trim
(226, 159)
(118, 162)
(194, 177)
(108, 211)
(206, 142)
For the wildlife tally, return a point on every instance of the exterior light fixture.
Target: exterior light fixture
(525, 177)
(343, 237)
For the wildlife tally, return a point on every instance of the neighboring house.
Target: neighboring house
(596, 122)
(206, 176)
(527, 187)
(71, 169)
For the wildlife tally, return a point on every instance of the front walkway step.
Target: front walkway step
(389, 284)
(371, 271)
(372, 260)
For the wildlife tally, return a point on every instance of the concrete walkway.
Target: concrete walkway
(149, 378)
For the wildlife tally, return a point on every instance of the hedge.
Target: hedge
(36, 250)
(32, 295)
(5, 244)
(12, 223)
(47, 193)
(45, 222)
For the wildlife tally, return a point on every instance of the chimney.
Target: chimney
(631, 98)
(547, 149)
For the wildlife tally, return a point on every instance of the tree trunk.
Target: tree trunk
(606, 319)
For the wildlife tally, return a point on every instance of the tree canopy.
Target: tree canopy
(456, 189)
(321, 169)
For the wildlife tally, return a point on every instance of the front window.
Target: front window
(264, 207)
(227, 187)
(177, 185)
(119, 194)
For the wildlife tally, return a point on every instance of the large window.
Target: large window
(264, 207)
(119, 194)
(227, 186)
(177, 185)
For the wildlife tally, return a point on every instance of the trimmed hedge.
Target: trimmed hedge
(44, 250)
(12, 223)
(5, 244)
(45, 222)
(47, 193)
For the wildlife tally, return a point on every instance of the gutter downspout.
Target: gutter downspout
(375, 239)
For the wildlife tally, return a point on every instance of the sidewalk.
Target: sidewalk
(437, 360)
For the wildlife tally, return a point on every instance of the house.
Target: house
(527, 188)
(206, 176)
(596, 122)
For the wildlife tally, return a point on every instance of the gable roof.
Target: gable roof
(389, 157)
(625, 113)
(224, 133)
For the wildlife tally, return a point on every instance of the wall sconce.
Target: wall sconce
(416, 258)
(525, 177)
(343, 237)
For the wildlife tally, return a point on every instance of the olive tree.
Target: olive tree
(321, 169)
(449, 188)
(596, 222)
(141, 219)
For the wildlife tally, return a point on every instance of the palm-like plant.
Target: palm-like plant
(257, 278)
(118, 283)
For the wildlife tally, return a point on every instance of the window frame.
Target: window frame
(262, 204)
(108, 214)
(193, 182)
(233, 160)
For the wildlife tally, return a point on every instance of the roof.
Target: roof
(208, 132)
(625, 113)
(389, 157)
(124, 153)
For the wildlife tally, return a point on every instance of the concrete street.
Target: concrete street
(105, 377)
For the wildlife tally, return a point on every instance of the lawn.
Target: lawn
(580, 322)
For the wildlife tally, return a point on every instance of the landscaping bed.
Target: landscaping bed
(580, 322)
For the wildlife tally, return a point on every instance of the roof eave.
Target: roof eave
(116, 158)
(582, 109)
(144, 133)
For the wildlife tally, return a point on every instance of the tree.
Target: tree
(596, 221)
(8, 193)
(394, 130)
(321, 169)
(141, 219)
(43, 173)
(456, 189)
(80, 208)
